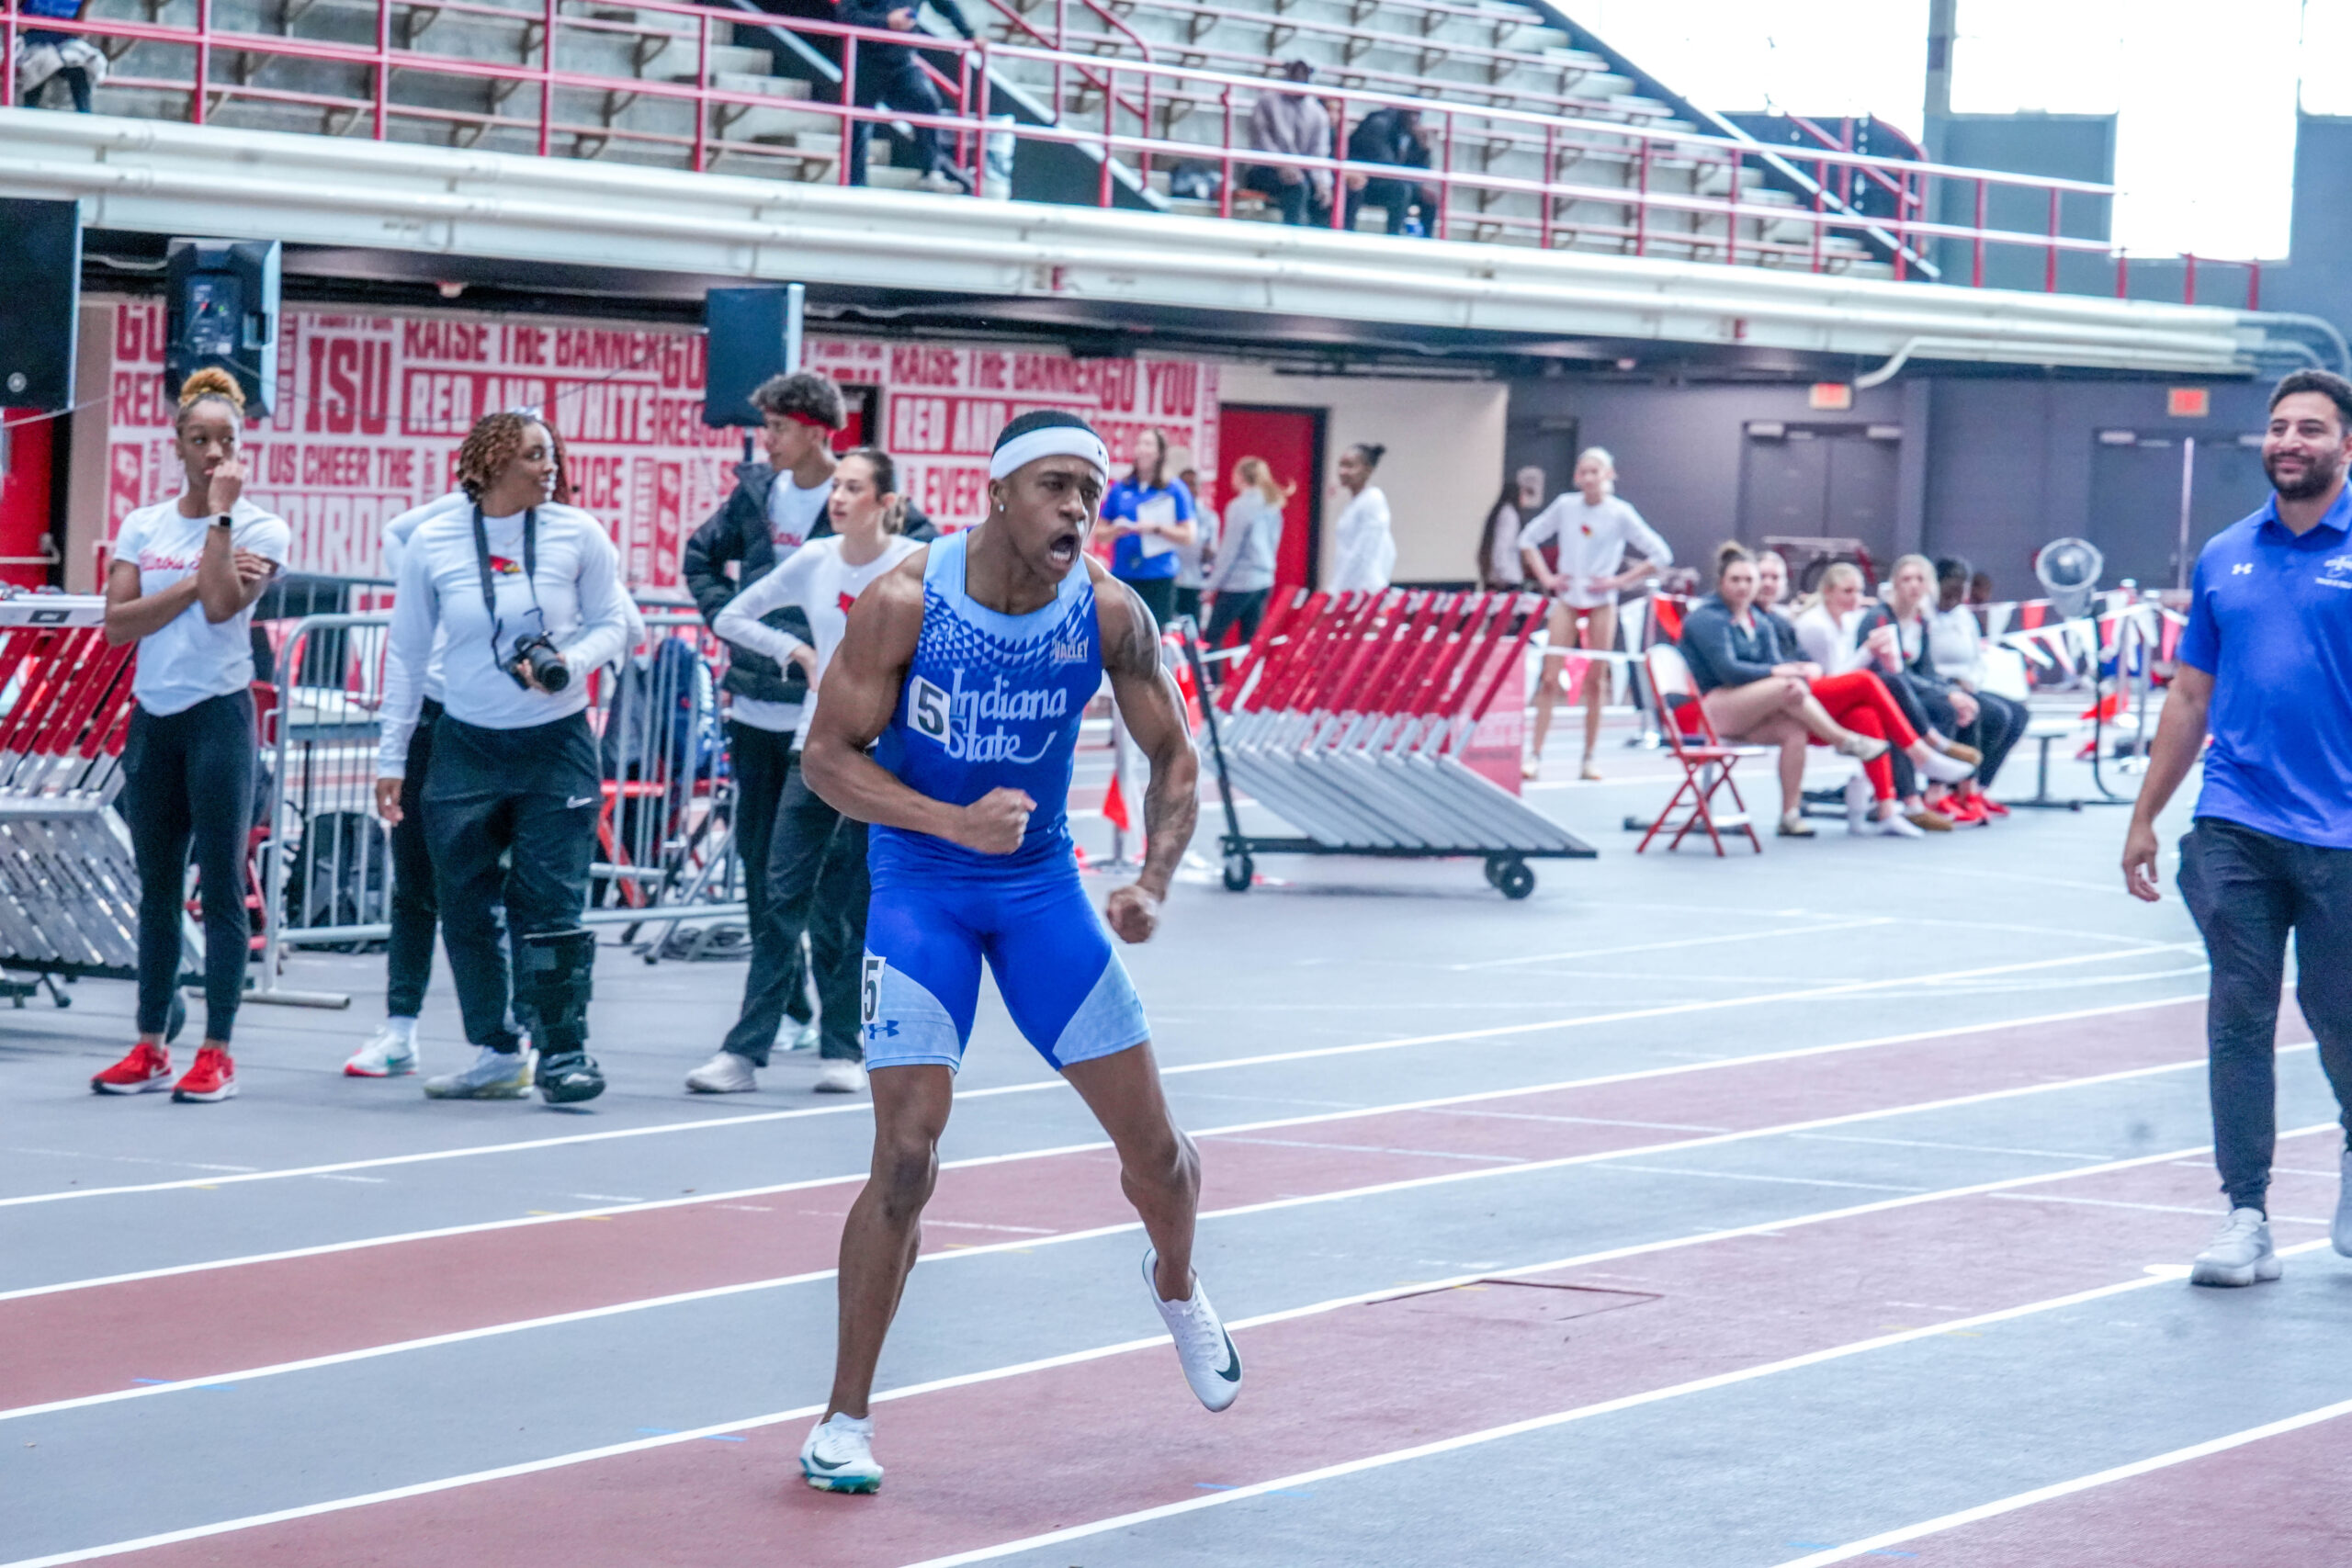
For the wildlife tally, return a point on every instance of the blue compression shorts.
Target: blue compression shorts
(1067, 990)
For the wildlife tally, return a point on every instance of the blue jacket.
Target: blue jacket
(1721, 653)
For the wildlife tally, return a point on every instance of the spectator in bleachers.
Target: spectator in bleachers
(1298, 124)
(1244, 574)
(1193, 561)
(1753, 692)
(891, 76)
(1368, 546)
(1148, 516)
(1956, 649)
(1500, 569)
(1391, 136)
(44, 53)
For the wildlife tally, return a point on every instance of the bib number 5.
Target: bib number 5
(869, 989)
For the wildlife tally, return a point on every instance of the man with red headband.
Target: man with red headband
(777, 506)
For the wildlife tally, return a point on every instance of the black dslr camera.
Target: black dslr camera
(547, 666)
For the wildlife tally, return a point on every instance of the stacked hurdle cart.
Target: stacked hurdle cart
(69, 891)
(1384, 724)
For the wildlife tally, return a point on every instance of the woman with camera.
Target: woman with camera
(816, 869)
(182, 583)
(526, 595)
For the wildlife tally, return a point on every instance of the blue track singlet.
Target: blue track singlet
(990, 701)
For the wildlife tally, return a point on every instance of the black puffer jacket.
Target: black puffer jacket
(737, 532)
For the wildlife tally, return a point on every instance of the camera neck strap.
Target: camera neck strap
(489, 579)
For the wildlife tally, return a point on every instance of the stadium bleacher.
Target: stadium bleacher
(1510, 107)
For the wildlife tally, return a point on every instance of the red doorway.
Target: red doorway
(25, 452)
(1291, 441)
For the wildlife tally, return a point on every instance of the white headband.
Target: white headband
(1051, 441)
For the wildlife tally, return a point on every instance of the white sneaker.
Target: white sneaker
(942, 183)
(2239, 1253)
(495, 1075)
(1862, 748)
(838, 1075)
(805, 1038)
(391, 1054)
(2341, 1232)
(1211, 1363)
(726, 1073)
(1894, 825)
(839, 1456)
(1943, 768)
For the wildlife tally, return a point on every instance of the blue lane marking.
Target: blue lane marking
(152, 1381)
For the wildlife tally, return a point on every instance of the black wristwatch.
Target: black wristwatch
(224, 521)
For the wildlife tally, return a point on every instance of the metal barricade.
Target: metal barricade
(664, 844)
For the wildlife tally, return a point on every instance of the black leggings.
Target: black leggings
(815, 877)
(189, 783)
(1158, 596)
(408, 956)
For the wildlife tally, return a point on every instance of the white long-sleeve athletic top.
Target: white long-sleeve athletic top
(1367, 543)
(577, 599)
(824, 586)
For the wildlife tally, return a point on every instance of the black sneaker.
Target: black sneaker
(570, 1077)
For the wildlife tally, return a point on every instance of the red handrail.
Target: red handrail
(966, 123)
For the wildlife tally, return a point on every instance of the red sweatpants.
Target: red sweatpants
(1860, 701)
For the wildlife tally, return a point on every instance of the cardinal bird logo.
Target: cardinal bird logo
(505, 568)
(847, 600)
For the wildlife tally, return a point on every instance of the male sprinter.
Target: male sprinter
(2266, 668)
(970, 665)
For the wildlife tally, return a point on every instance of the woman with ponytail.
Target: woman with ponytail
(182, 583)
(816, 867)
(1366, 544)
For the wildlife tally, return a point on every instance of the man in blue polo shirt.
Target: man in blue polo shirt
(2265, 667)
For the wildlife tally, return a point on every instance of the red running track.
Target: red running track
(1100, 1438)
(69, 1343)
(2274, 1503)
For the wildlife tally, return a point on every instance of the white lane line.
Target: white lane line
(1166, 1071)
(1772, 1227)
(1776, 1180)
(1367, 1149)
(1957, 1148)
(974, 1162)
(1749, 935)
(1630, 1402)
(618, 1309)
(2080, 1484)
(2152, 1208)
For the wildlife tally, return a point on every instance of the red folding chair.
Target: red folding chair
(1706, 761)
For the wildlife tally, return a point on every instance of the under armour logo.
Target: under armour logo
(2243, 569)
(885, 1030)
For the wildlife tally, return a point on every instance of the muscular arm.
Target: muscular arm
(854, 704)
(2180, 733)
(1155, 717)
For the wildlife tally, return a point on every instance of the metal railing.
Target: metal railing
(1703, 223)
(665, 844)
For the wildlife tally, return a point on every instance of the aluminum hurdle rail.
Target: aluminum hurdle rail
(665, 839)
(1370, 721)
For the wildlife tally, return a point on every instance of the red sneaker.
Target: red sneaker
(214, 1076)
(1992, 808)
(147, 1067)
(1966, 811)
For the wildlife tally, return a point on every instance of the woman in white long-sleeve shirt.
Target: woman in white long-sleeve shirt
(1365, 545)
(816, 870)
(526, 595)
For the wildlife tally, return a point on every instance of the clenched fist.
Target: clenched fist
(1133, 913)
(994, 824)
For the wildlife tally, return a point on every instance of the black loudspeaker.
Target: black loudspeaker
(753, 333)
(40, 287)
(221, 308)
